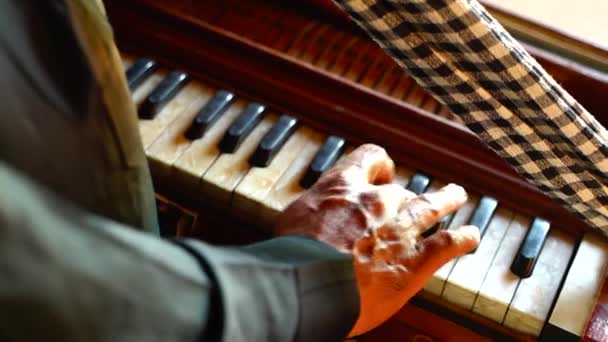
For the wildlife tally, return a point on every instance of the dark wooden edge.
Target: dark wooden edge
(414, 323)
(413, 137)
(476, 323)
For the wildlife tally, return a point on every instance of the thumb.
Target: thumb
(444, 245)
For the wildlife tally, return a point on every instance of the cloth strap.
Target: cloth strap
(468, 61)
(214, 327)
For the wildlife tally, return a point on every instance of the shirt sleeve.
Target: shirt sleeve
(69, 275)
(469, 62)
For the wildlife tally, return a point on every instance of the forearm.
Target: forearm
(73, 276)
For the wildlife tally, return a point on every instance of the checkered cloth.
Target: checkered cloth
(467, 61)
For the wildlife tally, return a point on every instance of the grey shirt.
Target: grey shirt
(76, 195)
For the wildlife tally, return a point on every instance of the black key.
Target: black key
(162, 94)
(208, 115)
(483, 214)
(419, 183)
(528, 253)
(323, 160)
(273, 141)
(140, 71)
(445, 221)
(241, 127)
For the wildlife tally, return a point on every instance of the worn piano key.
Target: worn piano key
(419, 183)
(191, 95)
(532, 301)
(224, 175)
(163, 93)
(436, 284)
(190, 167)
(530, 249)
(500, 283)
(483, 213)
(468, 272)
(324, 159)
(576, 299)
(139, 71)
(171, 142)
(140, 93)
(242, 126)
(259, 181)
(287, 189)
(402, 175)
(273, 141)
(209, 114)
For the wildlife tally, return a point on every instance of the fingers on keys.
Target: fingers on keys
(445, 245)
(392, 198)
(423, 211)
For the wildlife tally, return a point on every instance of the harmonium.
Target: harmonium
(244, 104)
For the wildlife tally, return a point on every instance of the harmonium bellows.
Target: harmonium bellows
(243, 105)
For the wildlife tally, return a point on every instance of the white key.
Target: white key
(402, 175)
(583, 284)
(187, 101)
(530, 305)
(461, 217)
(469, 271)
(224, 175)
(500, 283)
(258, 182)
(192, 164)
(171, 143)
(288, 189)
(146, 87)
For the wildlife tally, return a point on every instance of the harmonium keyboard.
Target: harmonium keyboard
(243, 105)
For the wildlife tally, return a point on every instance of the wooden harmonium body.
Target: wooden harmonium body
(243, 105)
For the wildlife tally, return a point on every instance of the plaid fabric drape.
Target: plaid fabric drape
(466, 60)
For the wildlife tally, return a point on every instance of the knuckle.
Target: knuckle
(371, 148)
(371, 202)
(364, 247)
(387, 233)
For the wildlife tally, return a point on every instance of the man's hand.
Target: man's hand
(355, 208)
